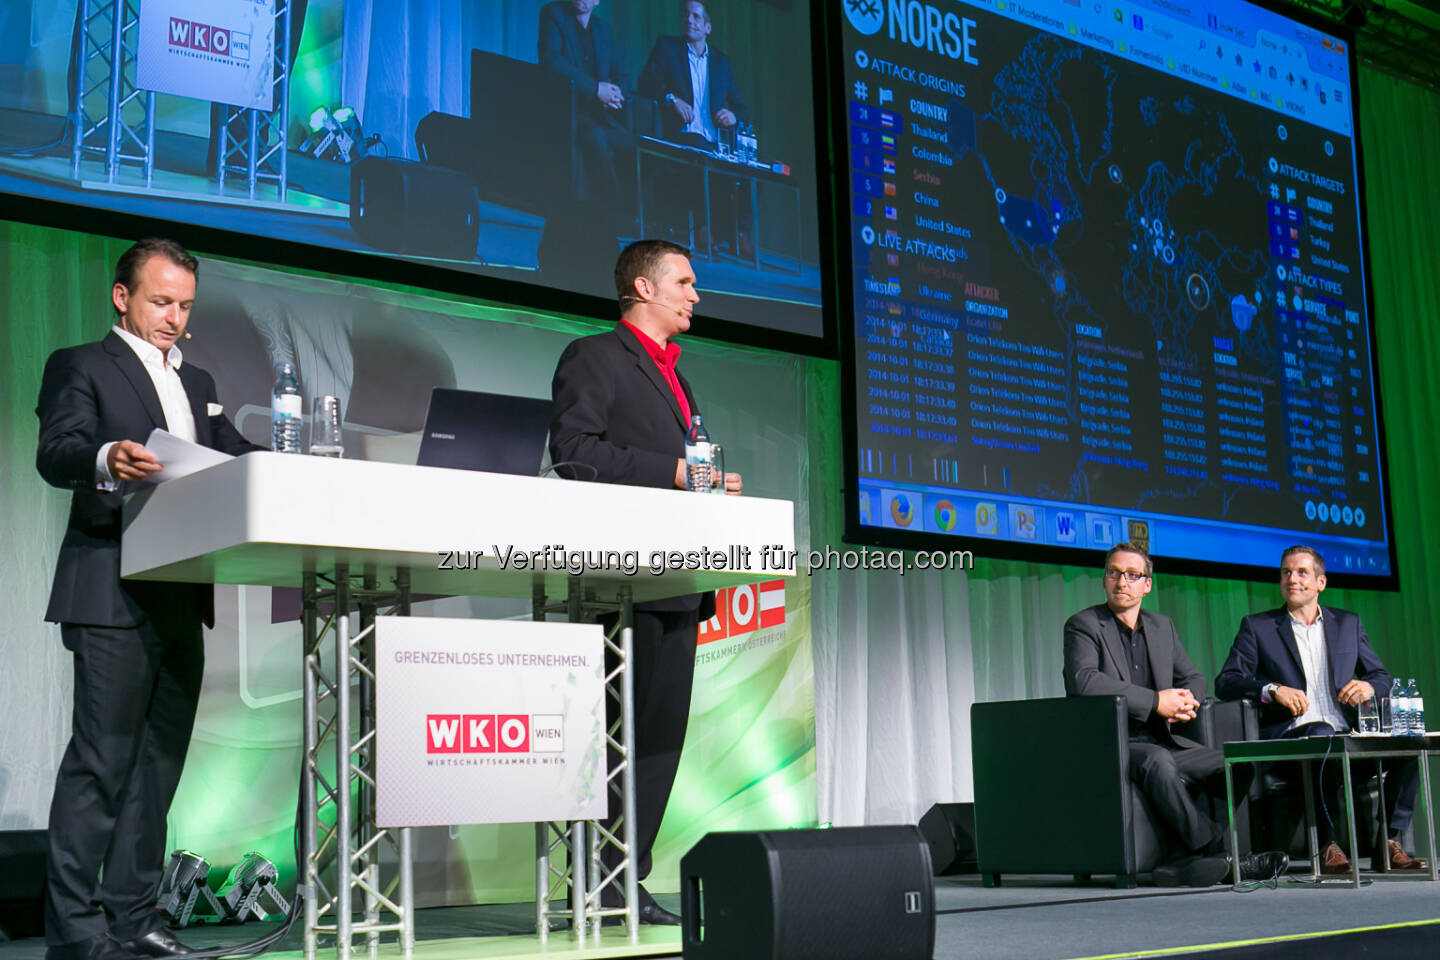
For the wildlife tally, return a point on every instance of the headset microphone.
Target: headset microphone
(187, 334)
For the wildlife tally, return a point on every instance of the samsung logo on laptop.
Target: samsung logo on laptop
(442, 436)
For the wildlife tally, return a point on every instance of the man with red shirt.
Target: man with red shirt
(622, 410)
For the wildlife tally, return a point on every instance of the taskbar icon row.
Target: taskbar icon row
(1015, 520)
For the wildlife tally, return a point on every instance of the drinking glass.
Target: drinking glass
(325, 436)
(1385, 715)
(1369, 717)
(717, 468)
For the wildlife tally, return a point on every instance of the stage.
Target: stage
(1030, 918)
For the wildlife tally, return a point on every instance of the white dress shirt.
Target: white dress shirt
(701, 123)
(174, 402)
(1315, 660)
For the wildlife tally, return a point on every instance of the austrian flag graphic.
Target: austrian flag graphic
(742, 610)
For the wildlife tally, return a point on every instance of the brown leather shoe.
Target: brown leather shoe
(1333, 859)
(1400, 861)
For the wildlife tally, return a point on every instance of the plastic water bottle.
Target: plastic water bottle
(1399, 714)
(1417, 708)
(698, 460)
(286, 411)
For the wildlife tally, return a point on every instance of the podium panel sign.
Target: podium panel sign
(219, 51)
(488, 721)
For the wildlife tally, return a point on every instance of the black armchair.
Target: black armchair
(1053, 792)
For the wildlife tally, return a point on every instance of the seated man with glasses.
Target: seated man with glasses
(1115, 648)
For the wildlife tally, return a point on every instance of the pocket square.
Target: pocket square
(214, 410)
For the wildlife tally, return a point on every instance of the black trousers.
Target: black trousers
(1170, 778)
(136, 690)
(663, 672)
(1401, 784)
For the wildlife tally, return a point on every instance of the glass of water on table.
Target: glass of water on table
(1369, 712)
(326, 438)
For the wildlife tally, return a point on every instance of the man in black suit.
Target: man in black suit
(693, 80)
(622, 411)
(694, 85)
(1115, 648)
(137, 645)
(579, 45)
(1309, 667)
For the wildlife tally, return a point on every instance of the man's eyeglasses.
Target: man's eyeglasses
(1129, 576)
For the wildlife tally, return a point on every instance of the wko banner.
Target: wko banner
(488, 721)
(219, 51)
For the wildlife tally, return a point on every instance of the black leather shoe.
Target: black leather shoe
(656, 914)
(96, 948)
(1191, 871)
(1261, 867)
(156, 943)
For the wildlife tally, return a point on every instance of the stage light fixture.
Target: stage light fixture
(183, 884)
(250, 889)
(334, 135)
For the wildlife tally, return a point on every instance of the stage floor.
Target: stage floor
(1034, 918)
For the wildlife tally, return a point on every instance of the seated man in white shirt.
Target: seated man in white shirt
(1310, 668)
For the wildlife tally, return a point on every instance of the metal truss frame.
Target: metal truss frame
(261, 152)
(583, 876)
(106, 34)
(338, 772)
(341, 841)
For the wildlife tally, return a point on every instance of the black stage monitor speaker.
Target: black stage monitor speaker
(949, 829)
(400, 206)
(22, 883)
(854, 893)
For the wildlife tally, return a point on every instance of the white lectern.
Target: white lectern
(323, 524)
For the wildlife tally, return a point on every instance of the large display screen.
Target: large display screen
(1109, 282)
(514, 139)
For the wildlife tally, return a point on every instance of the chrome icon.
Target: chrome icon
(901, 511)
(945, 515)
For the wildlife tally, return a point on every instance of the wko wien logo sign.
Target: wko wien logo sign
(742, 610)
(205, 38)
(494, 733)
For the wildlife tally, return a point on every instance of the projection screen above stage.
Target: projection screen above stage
(1108, 283)
(451, 139)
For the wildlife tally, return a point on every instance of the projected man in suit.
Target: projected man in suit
(137, 645)
(695, 87)
(622, 409)
(576, 43)
(1309, 667)
(1115, 648)
(693, 81)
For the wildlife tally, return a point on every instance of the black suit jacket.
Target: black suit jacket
(559, 47)
(1097, 663)
(668, 71)
(615, 412)
(1264, 652)
(90, 395)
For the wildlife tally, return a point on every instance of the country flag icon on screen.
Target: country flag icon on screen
(945, 515)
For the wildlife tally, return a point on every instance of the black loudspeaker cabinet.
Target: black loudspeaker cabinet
(22, 883)
(400, 206)
(853, 893)
(949, 829)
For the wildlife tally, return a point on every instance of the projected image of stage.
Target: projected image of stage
(1109, 284)
(513, 140)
